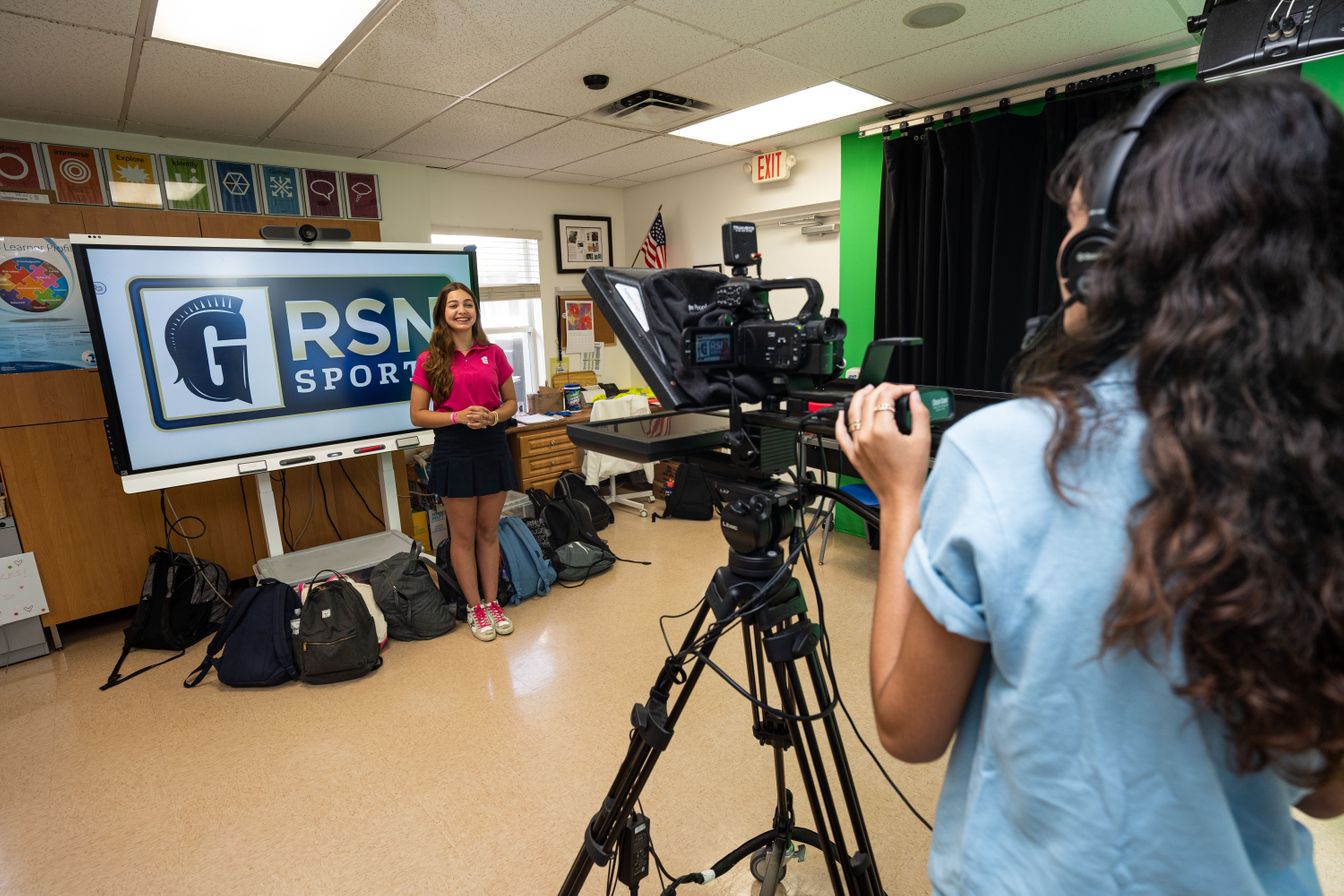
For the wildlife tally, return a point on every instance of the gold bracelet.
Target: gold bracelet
(495, 414)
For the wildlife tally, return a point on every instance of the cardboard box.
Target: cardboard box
(546, 400)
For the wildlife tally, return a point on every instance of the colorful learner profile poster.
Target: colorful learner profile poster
(187, 182)
(42, 321)
(131, 179)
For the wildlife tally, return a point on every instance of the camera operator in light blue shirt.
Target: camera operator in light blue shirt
(1124, 591)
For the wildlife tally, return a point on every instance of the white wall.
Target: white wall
(696, 205)
(460, 202)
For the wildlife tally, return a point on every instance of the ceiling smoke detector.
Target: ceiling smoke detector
(652, 110)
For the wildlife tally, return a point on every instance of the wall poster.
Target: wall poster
(42, 321)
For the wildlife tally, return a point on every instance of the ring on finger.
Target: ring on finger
(886, 407)
(855, 426)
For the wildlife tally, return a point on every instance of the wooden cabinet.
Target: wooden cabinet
(542, 451)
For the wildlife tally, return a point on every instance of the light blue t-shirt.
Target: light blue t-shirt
(1074, 774)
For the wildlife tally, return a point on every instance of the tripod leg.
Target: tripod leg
(654, 726)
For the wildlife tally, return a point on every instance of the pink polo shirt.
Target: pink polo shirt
(477, 377)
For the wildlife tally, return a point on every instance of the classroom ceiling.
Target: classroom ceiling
(495, 86)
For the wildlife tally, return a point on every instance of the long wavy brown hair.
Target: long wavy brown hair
(1225, 286)
(439, 364)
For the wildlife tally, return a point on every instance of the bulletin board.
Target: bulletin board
(602, 331)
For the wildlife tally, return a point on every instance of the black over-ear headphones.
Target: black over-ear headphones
(1081, 252)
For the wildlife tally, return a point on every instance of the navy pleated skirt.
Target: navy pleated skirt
(468, 462)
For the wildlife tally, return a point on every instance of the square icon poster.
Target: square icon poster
(20, 168)
(236, 186)
(280, 186)
(131, 179)
(186, 182)
(361, 196)
(322, 192)
(76, 175)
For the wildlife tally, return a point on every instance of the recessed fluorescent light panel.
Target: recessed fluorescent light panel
(825, 102)
(286, 31)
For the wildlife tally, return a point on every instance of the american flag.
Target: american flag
(654, 249)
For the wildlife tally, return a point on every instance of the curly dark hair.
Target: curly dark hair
(1225, 286)
(439, 364)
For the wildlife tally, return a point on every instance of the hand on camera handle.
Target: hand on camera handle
(892, 464)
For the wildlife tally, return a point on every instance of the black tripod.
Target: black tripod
(757, 587)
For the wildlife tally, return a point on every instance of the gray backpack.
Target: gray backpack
(413, 605)
(575, 561)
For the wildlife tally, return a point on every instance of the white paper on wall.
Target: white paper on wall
(578, 341)
(21, 594)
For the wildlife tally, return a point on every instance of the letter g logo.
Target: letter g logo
(207, 339)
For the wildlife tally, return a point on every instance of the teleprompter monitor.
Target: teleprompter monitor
(221, 358)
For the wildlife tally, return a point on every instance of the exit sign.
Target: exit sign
(771, 166)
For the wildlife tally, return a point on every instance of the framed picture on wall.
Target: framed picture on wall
(581, 242)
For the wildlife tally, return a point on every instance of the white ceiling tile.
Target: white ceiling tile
(871, 33)
(619, 183)
(359, 113)
(634, 48)
(456, 46)
(1093, 30)
(204, 89)
(561, 177)
(742, 79)
(471, 129)
(106, 15)
(640, 156)
(321, 149)
(699, 163)
(67, 70)
(745, 21)
(561, 145)
(497, 170)
(413, 159)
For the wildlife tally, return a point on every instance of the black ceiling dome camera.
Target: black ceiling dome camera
(596, 82)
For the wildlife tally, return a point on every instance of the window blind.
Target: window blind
(508, 267)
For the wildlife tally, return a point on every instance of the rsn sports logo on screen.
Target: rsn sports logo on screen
(224, 350)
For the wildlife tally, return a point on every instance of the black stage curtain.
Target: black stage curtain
(967, 238)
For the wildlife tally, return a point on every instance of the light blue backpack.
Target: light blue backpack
(529, 570)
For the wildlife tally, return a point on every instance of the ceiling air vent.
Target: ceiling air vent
(652, 110)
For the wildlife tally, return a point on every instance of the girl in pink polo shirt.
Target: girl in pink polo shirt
(462, 388)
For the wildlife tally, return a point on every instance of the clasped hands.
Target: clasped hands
(476, 417)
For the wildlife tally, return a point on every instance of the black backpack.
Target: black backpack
(257, 638)
(452, 590)
(336, 640)
(568, 520)
(692, 498)
(413, 605)
(571, 485)
(542, 534)
(183, 600)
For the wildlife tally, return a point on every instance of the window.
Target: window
(510, 276)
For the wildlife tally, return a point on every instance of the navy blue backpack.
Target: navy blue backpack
(257, 638)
